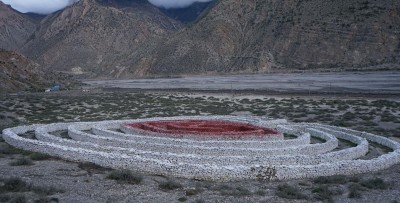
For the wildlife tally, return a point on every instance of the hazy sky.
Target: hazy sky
(49, 6)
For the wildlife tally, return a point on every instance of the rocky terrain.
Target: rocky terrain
(15, 28)
(124, 39)
(92, 37)
(18, 73)
(37, 177)
(265, 36)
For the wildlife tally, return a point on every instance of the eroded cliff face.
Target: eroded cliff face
(92, 37)
(15, 28)
(270, 35)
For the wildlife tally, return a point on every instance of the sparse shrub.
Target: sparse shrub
(18, 199)
(7, 149)
(5, 198)
(39, 156)
(182, 199)
(169, 185)
(238, 191)
(21, 162)
(200, 201)
(290, 192)
(15, 185)
(337, 179)
(191, 192)
(375, 183)
(125, 176)
(260, 192)
(46, 190)
(90, 166)
(349, 116)
(326, 193)
(46, 200)
(355, 190)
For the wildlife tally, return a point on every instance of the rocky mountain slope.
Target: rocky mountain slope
(19, 73)
(271, 35)
(125, 38)
(15, 27)
(92, 37)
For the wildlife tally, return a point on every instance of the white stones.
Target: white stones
(211, 159)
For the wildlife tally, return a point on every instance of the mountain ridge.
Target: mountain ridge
(125, 39)
(90, 37)
(267, 36)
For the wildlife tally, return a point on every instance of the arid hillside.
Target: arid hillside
(92, 37)
(15, 27)
(272, 35)
(125, 39)
(18, 73)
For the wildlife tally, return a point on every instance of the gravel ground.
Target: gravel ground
(74, 182)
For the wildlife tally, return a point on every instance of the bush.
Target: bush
(260, 192)
(375, 183)
(355, 190)
(182, 199)
(45, 190)
(5, 198)
(90, 166)
(337, 179)
(46, 200)
(15, 185)
(21, 162)
(18, 199)
(125, 176)
(39, 156)
(238, 191)
(169, 185)
(290, 192)
(325, 193)
(191, 192)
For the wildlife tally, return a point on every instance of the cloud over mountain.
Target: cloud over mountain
(38, 6)
(49, 6)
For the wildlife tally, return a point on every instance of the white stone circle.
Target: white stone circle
(104, 143)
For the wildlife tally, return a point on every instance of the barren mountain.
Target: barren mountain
(19, 73)
(266, 35)
(93, 37)
(15, 27)
(125, 38)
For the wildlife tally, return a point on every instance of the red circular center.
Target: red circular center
(202, 127)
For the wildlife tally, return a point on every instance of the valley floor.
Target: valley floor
(35, 177)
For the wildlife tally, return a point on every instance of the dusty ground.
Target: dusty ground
(50, 179)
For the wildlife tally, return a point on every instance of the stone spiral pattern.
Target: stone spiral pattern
(104, 143)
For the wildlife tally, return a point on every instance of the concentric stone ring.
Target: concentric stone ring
(191, 147)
